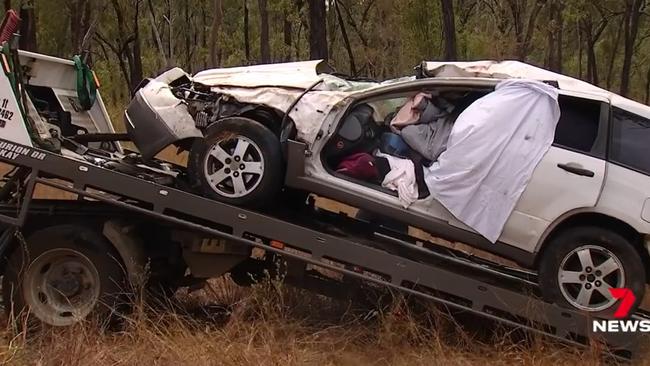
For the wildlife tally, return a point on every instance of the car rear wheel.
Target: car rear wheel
(581, 265)
(238, 162)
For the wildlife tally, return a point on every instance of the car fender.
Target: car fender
(155, 118)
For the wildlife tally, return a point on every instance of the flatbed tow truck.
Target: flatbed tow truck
(356, 249)
(173, 233)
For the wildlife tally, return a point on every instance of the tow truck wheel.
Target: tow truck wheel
(238, 162)
(62, 275)
(581, 264)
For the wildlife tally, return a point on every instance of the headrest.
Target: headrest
(352, 127)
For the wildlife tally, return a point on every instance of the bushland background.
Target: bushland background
(603, 42)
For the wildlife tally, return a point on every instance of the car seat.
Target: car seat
(358, 132)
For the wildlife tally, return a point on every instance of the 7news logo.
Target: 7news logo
(620, 323)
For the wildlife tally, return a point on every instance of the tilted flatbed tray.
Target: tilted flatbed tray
(436, 283)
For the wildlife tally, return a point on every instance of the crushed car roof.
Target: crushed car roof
(303, 74)
(507, 70)
(522, 70)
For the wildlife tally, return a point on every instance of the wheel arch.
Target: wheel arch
(596, 219)
(21, 234)
(121, 236)
(130, 255)
(130, 249)
(267, 116)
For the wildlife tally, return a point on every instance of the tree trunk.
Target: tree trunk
(592, 66)
(591, 36)
(346, 40)
(247, 43)
(265, 47)
(554, 48)
(449, 30)
(217, 19)
(86, 24)
(204, 37)
(188, 42)
(523, 29)
(610, 66)
(297, 45)
(317, 30)
(357, 27)
(156, 34)
(579, 33)
(80, 12)
(631, 29)
(28, 26)
(170, 31)
(136, 64)
(75, 22)
(7, 5)
(647, 87)
(125, 43)
(287, 29)
(332, 33)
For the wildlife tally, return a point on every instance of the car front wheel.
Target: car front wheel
(238, 162)
(582, 264)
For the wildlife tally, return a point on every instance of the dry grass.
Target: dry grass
(275, 325)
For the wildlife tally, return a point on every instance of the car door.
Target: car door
(569, 177)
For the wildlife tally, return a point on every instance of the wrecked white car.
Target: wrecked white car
(534, 166)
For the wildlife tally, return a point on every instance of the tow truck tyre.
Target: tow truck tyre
(64, 274)
(581, 264)
(238, 162)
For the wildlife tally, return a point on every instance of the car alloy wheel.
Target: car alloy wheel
(234, 167)
(586, 274)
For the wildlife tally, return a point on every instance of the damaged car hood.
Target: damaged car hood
(289, 75)
(299, 75)
(278, 85)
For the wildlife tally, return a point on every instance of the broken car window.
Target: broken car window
(578, 125)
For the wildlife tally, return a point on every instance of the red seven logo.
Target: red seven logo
(627, 300)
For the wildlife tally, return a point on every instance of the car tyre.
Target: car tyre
(580, 264)
(238, 162)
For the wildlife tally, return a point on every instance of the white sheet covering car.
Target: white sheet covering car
(493, 148)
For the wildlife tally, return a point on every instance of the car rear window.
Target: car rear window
(579, 124)
(630, 140)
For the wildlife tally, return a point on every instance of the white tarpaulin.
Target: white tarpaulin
(493, 149)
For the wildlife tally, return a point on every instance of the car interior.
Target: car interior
(368, 131)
